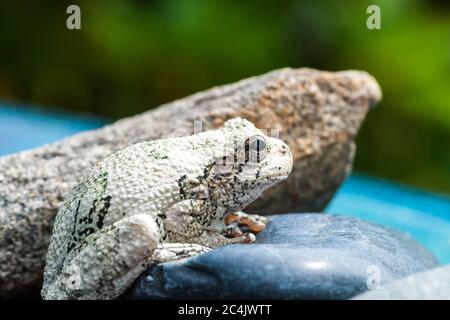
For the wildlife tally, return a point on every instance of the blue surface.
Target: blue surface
(24, 128)
(424, 216)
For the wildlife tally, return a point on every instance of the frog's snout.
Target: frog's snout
(281, 161)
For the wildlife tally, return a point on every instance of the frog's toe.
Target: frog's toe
(248, 238)
(260, 218)
(256, 226)
(253, 222)
(232, 230)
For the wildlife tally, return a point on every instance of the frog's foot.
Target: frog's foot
(244, 238)
(232, 230)
(104, 264)
(166, 252)
(235, 234)
(253, 222)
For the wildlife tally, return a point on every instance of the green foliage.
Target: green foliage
(130, 56)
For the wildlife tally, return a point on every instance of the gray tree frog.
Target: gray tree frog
(159, 201)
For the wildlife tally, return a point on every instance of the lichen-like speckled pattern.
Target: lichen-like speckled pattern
(157, 200)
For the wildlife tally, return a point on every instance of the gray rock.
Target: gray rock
(318, 114)
(298, 256)
(428, 285)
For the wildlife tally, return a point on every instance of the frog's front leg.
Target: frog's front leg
(105, 263)
(196, 221)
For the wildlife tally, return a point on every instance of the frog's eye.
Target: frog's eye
(255, 148)
(257, 144)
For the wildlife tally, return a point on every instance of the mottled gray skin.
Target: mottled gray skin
(317, 112)
(157, 201)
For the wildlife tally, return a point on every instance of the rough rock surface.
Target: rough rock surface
(298, 256)
(428, 285)
(318, 114)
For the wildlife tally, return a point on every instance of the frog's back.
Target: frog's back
(75, 213)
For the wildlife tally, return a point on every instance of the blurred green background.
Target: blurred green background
(130, 56)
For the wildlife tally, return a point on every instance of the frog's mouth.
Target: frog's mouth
(276, 177)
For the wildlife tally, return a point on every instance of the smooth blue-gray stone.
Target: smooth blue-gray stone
(297, 256)
(432, 284)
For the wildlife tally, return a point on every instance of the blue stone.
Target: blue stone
(297, 256)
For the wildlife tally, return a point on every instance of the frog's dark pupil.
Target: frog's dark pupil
(247, 151)
(261, 145)
(258, 145)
